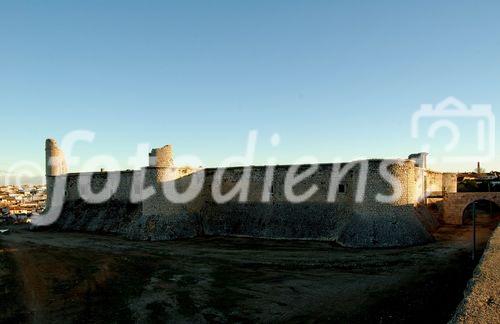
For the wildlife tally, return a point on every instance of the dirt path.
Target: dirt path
(90, 278)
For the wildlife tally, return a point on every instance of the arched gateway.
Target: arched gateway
(455, 204)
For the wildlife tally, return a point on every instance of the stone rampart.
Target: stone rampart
(268, 211)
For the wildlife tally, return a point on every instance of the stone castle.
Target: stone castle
(127, 209)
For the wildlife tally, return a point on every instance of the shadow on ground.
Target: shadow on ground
(73, 277)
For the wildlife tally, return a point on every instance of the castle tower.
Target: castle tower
(55, 166)
(160, 170)
(161, 164)
(55, 163)
(162, 157)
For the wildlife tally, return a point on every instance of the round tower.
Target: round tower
(162, 157)
(386, 216)
(55, 168)
(161, 165)
(55, 162)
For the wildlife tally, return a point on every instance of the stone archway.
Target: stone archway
(454, 204)
(484, 210)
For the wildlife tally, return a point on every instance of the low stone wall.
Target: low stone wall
(482, 296)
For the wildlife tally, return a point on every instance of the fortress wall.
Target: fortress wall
(365, 223)
(313, 219)
(429, 220)
(50, 182)
(98, 181)
(350, 223)
(160, 218)
(355, 224)
(380, 224)
(437, 185)
(277, 218)
(433, 182)
(450, 182)
(419, 180)
(437, 182)
(404, 173)
(112, 216)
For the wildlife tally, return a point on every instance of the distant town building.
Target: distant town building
(19, 203)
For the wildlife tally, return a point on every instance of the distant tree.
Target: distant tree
(468, 186)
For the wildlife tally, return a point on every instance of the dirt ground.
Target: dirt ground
(53, 277)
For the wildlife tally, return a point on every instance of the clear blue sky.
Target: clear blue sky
(336, 79)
